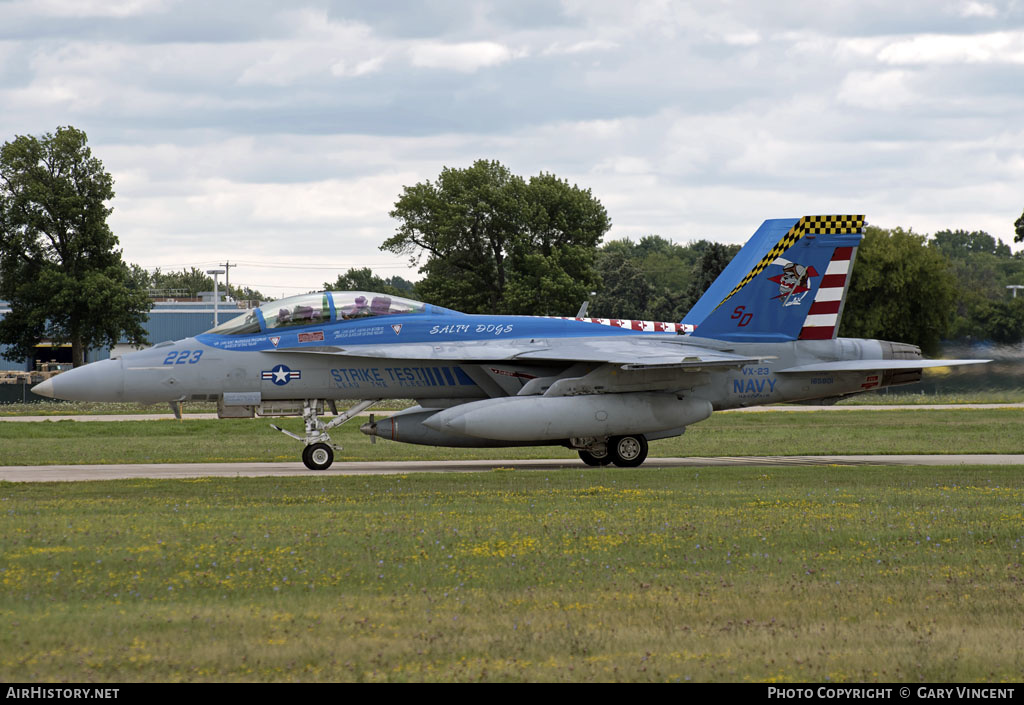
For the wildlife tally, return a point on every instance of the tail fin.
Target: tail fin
(793, 277)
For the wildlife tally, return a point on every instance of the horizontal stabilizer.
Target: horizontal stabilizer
(870, 365)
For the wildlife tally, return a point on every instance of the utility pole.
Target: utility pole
(227, 275)
(216, 295)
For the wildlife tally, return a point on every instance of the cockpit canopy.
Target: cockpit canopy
(311, 309)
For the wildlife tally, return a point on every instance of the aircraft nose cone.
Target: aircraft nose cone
(97, 381)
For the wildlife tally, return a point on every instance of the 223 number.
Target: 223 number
(181, 357)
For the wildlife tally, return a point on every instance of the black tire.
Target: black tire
(318, 456)
(627, 451)
(595, 459)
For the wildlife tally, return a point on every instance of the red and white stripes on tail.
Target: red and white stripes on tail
(646, 326)
(823, 318)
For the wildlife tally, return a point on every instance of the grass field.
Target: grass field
(768, 433)
(776, 574)
(737, 574)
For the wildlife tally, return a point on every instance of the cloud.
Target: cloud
(361, 68)
(92, 8)
(315, 46)
(324, 226)
(465, 57)
(248, 126)
(996, 47)
(978, 9)
(748, 38)
(580, 47)
(877, 90)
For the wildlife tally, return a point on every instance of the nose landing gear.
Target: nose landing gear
(319, 451)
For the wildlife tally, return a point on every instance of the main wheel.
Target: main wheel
(627, 451)
(595, 459)
(318, 456)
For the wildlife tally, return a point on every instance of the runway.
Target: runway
(166, 471)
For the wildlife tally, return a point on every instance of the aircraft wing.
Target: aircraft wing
(636, 353)
(631, 352)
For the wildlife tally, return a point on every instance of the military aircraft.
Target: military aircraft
(765, 333)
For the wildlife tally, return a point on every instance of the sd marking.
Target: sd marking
(742, 317)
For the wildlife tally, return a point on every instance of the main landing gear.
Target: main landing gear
(319, 451)
(622, 451)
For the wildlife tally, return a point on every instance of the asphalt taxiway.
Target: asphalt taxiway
(384, 414)
(78, 473)
(70, 473)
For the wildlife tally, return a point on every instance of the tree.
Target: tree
(960, 243)
(365, 280)
(244, 293)
(59, 268)
(1018, 227)
(982, 267)
(666, 264)
(901, 290)
(193, 281)
(496, 243)
(656, 279)
(1001, 321)
(624, 290)
(713, 258)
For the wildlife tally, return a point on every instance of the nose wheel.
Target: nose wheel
(318, 456)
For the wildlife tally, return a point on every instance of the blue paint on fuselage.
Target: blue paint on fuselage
(437, 325)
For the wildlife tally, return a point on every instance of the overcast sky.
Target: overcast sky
(279, 135)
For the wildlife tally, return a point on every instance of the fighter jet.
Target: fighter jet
(764, 332)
